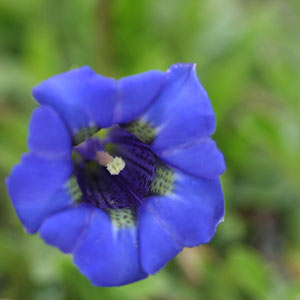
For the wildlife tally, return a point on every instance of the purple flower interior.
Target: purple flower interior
(131, 186)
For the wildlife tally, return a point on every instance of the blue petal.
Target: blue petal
(182, 112)
(65, 228)
(48, 135)
(157, 244)
(136, 93)
(82, 98)
(37, 189)
(85, 99)
(202, 158)
(106, 255)
(193, 211)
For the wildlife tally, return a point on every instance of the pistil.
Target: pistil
(114, 165)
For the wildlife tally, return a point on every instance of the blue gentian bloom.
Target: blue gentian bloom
(123, 173)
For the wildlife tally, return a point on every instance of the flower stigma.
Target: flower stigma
(114, 165)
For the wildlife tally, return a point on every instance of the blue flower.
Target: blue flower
(123, 173)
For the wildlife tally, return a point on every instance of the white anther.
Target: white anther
(114, 165)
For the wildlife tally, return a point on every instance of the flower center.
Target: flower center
(115, 172)
(114, 165)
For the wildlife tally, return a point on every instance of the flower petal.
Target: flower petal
(157, 244)
(85, 99)
(182, 112)
(64, 229)
(135, 93)
(48, 135)
(37, 188)
(108, 255)
(201, 159)
(82, 98)
(193, 211)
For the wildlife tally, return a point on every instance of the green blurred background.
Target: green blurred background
(248, 59)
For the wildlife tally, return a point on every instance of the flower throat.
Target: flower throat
(119, 171)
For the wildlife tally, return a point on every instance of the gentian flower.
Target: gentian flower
(123, 173)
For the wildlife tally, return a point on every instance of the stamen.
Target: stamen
(114, 165)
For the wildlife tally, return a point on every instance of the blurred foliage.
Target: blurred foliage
(248, 59)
